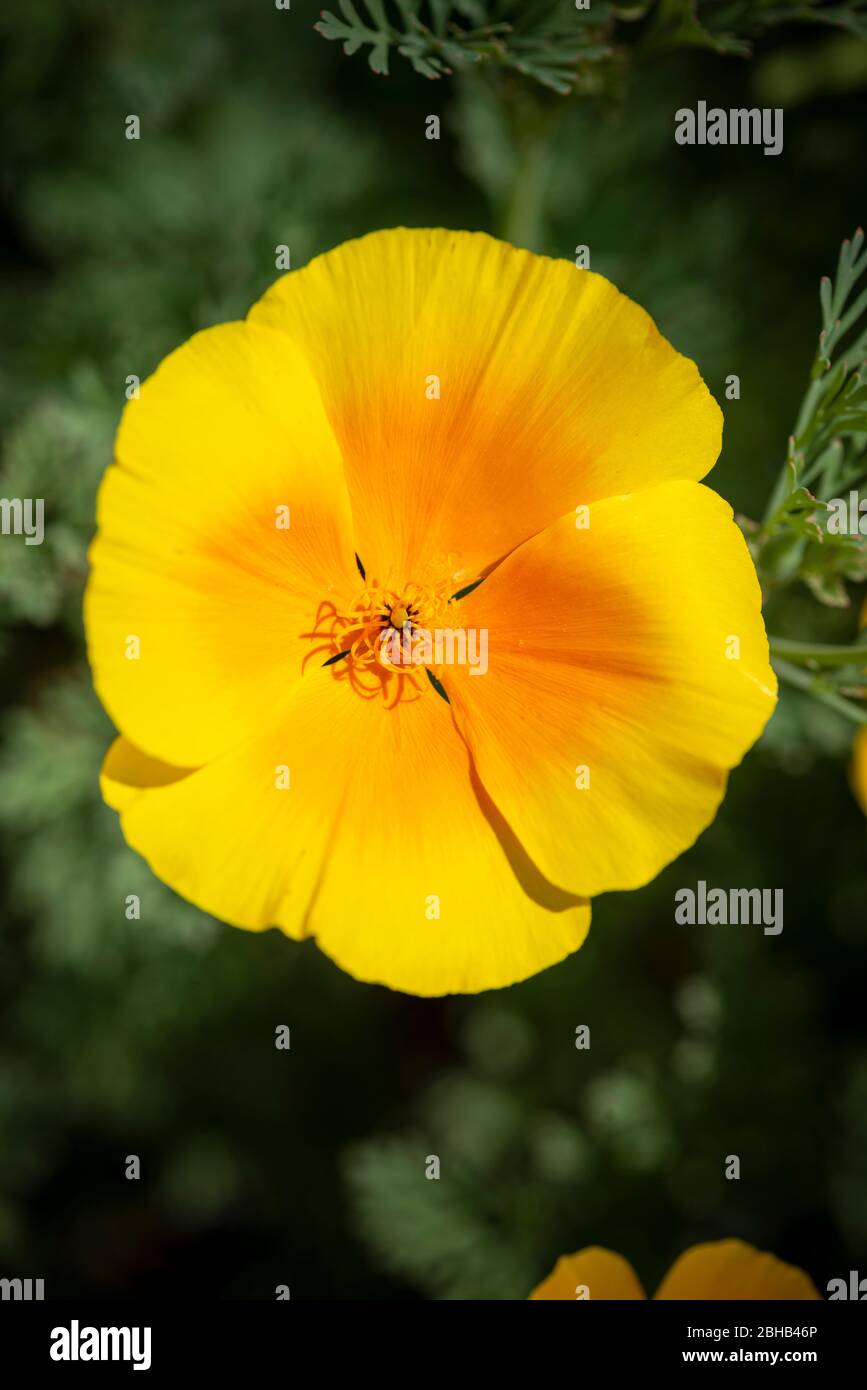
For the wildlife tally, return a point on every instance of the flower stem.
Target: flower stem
(822, 654)
(816, 686)
(522, 220)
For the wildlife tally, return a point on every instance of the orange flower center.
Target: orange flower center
(380, 644)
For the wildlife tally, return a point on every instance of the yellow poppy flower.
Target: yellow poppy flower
(722, 1270)
(447, 409)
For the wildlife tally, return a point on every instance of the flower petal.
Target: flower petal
(602, 1273)
(612, 660)
(189, 558)
(127, 772)
(376, 827)
(858, 771)
(554, 390)
(729, 1270)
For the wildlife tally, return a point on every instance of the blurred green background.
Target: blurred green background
(156, 1037)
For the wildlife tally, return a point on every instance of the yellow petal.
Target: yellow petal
(127, 772)
(601, 1273)
(731, 1269)
(478, 392)
(627, 672)
(360, 825)
(859, 769)
(189, 558)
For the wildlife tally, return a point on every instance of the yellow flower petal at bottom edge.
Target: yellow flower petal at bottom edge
(858, 771)
(381, 820)
(730, 1270)
(602, 1273)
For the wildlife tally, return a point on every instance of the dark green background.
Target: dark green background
(155, 1037)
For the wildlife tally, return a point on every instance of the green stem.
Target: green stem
(522, 219)
(815, 686)
(776, 500)
(823, 654)
(812, 396)
(780, 490)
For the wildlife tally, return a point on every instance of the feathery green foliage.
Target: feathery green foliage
(546, 41)
(555, 43)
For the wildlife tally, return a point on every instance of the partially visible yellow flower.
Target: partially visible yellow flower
(450, 410)
(722, 1270)
(859, 768)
